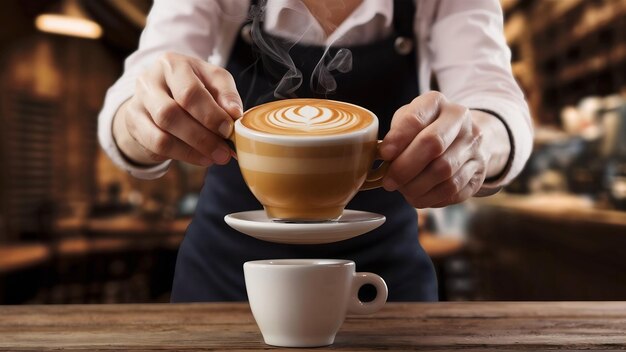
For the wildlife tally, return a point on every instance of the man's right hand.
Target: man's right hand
(183, 109)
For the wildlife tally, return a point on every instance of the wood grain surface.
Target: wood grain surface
(442, 326)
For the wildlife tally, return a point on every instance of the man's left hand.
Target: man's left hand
(441, 152)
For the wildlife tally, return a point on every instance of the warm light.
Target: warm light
(68, 25)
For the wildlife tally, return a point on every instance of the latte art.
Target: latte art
(307, 117)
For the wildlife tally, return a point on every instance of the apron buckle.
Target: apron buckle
(403, 45)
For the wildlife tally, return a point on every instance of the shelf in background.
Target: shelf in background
(592, 21)
(594, 64)
(566, 50)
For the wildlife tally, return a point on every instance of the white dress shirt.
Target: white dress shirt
(460, 41)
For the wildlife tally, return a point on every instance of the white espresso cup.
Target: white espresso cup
(303, 302)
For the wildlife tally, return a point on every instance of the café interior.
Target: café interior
(76, 229)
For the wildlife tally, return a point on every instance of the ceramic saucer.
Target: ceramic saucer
(351, 224)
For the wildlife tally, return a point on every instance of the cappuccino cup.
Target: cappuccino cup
(305, 159)
(303, 302)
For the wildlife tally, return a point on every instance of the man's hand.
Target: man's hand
(183, 108)
(442, 152)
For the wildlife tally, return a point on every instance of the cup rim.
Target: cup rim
(299, 263)
(365, 132)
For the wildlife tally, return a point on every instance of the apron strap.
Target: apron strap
(403, 15)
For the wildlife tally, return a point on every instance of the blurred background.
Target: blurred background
(75, 229)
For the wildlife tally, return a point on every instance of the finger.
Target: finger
(446, 191)
(191, 94)
(408, 121)
(427, 146)
(171, 118)
(445, 166)
(222, 87)
(467, 192)
(160, 145)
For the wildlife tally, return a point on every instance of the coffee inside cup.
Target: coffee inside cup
(307, 117)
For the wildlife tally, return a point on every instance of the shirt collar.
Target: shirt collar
(291, 19)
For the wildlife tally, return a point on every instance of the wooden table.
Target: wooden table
(22, 255)
(553, 247)
(230, 326)
(122, 224)
(559, 207)
(129, 230)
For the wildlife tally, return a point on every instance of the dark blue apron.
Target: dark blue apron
(210, 260)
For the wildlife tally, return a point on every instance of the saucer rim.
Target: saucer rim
(267, 222)
(308, 233)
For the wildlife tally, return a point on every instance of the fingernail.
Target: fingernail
(389, 184)
(220, 155)
(388, 151)
(237, 107)
(226, 128)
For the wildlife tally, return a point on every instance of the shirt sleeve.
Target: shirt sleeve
(472, 63)
(183, 26)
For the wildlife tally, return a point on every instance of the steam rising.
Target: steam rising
(276, 59)
(322, 81)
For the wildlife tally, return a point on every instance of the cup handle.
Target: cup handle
(356, 306)
(374, 178)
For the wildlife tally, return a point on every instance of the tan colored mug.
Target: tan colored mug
(305, 159)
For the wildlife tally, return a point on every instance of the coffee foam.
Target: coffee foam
(314, 117)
